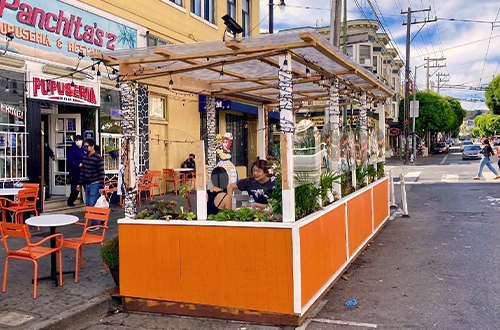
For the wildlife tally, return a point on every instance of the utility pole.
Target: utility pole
(434, 65)
(335, 19)
(271, 16)
(407, 70)
(344, 50)
(444, 80)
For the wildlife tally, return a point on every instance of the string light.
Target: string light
(322, 81)
(117, 82)
(308, 72)
(221, 75)
(171, 82)
(7, 86)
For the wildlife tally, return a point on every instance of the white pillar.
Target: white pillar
(210, 108)
(363, 129)
(333, 128)
(381, 132)
(287, 124)
(261, 133)
(128, 97)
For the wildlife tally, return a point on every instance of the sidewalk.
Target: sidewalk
(67, 306)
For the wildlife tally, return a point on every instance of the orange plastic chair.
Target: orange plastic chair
(111, 186)
(191, 178)
(31, 252)
(76, 243)
(26, 202)
(155, 182)
(171, 177)
(143, 186)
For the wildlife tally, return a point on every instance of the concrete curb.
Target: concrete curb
(81, 314)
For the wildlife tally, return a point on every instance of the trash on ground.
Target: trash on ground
(351, 303)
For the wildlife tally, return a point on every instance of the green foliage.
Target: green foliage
(380, 170)
(371, 172)
(325, 182)
(486, 125)
(361, 173)
(185, 191)
(244, 214)
(346, 183)
(160, 210)
(476, 132)
(436, 113)
(110, 252)
(493, 95)
(306, 200)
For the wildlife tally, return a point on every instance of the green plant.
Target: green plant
(371, 172)
(380, 170)
(346, 183)
(361, 174)
(306, 200)
(326, 181)
(185, 191)
(110, 252)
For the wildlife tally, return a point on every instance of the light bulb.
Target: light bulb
(170, 84)
(282, 6)
(308, 73)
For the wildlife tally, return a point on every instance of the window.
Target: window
(13, 135)
(177, 2)
(365, 54)
(375, 64)
(245, 12)
(204, 9)
(393, 85)
(157, 107)
(231, 8)
(350, 52)
(156, 41)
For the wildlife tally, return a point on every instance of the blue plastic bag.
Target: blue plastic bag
(351, 303)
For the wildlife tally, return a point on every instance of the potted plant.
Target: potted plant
(110, 255)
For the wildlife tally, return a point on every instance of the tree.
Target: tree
(460, 113)
(487, 125)
(493, 95)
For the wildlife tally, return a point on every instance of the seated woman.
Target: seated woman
(217, 194)
(259, 185)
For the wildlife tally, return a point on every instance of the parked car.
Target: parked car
(496, 142)
(465, 143)
(449, 142)
(471, 152)
(440, 147)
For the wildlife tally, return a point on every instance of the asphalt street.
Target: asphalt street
(437, 269)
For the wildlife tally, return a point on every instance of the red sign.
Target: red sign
(410, 86)
(394, 131)
(63, 91)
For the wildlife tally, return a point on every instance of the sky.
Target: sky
(470, 42)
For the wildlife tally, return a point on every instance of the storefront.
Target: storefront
(54, 90)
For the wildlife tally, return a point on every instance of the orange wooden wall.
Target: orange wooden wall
(322, 251)
(247, 268)
(380, 202)
(359, 220)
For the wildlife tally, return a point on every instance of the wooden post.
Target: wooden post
(201, 193)
(333, 129)
(210, 108)
(287, 124)
(381, 131)
(261, 133)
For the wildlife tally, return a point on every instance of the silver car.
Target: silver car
(465, 143)
(471, 152)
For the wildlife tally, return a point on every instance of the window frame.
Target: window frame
(231, 8)
(151, 105)
(245, 18)
(204, 10)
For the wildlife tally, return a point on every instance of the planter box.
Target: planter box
(262, 272)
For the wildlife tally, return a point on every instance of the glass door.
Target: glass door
(64, 128)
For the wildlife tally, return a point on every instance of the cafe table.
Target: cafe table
(9, 191)
(184, 169)
(52, 221)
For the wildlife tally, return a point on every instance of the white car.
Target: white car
(465, 143)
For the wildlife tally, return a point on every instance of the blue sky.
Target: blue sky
(472, 58)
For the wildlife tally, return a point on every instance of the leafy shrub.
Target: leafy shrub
(110, 252)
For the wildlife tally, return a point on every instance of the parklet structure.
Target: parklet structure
(265, 272)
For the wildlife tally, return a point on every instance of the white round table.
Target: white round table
(9, 191)
(184, 169)
(52, 221)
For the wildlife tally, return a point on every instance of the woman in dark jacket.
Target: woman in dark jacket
(487, 152)
(74, 162)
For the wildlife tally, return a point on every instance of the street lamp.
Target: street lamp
(281, 6)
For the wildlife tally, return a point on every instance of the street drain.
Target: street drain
(14, 319)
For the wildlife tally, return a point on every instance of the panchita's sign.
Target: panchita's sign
(64, 91)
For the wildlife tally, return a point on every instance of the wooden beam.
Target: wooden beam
(234, 44)
(217, 53)
(163, 52)
(200, 66)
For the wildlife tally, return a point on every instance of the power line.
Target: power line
(488, 48)
(466, 44)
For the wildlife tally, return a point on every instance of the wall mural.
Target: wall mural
(223, 150)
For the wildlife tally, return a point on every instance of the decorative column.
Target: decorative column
(287, 125)
(381, 131)
(128, 98)
(363, 129)
(261, 133)
(332, 132)
(212, 160)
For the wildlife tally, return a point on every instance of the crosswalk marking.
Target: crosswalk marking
(449, 178)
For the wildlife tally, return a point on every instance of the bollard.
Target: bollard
(391, 190)
(403, 195)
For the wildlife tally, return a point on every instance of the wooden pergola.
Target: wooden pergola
(271, 70)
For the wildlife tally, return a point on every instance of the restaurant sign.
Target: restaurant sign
(46, 88)
(42, 28)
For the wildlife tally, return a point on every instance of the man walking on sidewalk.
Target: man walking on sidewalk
(92, 175)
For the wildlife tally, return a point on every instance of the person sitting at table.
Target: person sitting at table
(189, 162)
(259, 186)
(218, 193)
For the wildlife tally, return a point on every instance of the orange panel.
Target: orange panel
(246, 268)
(380, 202)
(359, 220)
(322, 251)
